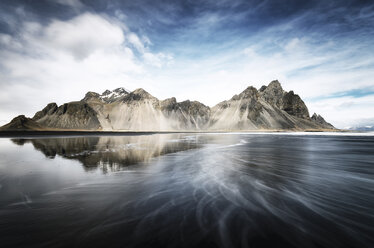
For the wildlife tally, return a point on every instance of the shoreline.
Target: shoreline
(36, 133)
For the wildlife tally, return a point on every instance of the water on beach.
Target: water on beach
(188, 190)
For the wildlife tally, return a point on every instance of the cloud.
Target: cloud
(347, 111)
(136, 42)
(71, 3)
(158, 60)
(82, 36)
(153, 59)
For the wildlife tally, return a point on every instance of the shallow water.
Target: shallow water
(188, 190)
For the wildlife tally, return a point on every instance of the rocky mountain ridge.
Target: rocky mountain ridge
(21, 122)
(270, 107)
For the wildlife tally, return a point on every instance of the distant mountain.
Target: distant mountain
(362, 128)
(268, 108)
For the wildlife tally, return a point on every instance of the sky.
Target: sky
(57, 50)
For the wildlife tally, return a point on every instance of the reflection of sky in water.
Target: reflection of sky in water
(248, 190)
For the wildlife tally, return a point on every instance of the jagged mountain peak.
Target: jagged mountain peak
(169, 104)
(20, 119)
(91, 96)
(111, 96)
(263, 87)
(273, 93)
(107, 96)
(49, 109)
(106, 92)
(275, 84)
(121, 90)
(139, 95)
(171, 99)
(249, 92)
(190, 103)
(142, 93)
(274, 88)
(321, 121)
(315, 116)
(294, 105)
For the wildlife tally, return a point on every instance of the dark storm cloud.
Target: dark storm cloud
(218, 24)
(163, 19)
(212, 25)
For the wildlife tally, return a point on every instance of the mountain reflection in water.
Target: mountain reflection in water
(185, 190)
(111, 152)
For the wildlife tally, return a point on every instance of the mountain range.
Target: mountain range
(269, 108)
(366, 128)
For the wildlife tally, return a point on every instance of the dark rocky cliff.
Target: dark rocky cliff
(21, 123)
(73, 115)
(321, 121)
